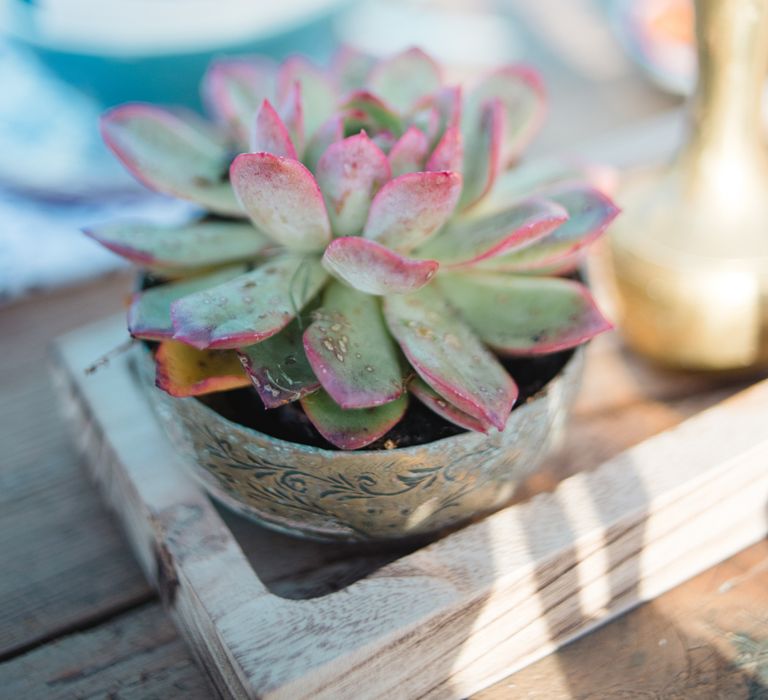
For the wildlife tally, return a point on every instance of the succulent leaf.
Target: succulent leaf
(427, 120)
(249, 308)
(351, 67)
(449, 152)
(172, 154)
(149, 315)
(352, 429)
(351, 352)
(318, 93)
(194, 245)
(384, 140)
(328, 133)
(482, 153)
(589, 214)
(185, 371)
(404, 78)
(565, 265)
(366, 111)
(233, 89)
(292, 113)
(409, 152)
(374, 269)
(432, 400)
(439, 112)
(410, 209)
(278, 367)
(283, 199)
(449, 357)
(447, 100)
(470, 240)
(521, 91)
(530, 178)
(350, 173)
(525, 315)
(270, 133)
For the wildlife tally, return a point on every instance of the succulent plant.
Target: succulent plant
(373, 235)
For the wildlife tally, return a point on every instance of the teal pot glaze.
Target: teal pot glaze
(363, 495)
(122, 50)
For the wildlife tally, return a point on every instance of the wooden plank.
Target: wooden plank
(597, 437)
(65, 563)
(452, 617)
(133, 657)
(707, 638)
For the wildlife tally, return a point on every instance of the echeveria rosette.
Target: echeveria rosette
(387, 244)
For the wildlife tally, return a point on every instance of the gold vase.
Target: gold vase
(689, 255)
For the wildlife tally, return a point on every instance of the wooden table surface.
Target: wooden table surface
(78, 620)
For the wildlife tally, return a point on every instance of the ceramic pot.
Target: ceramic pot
(364, 495)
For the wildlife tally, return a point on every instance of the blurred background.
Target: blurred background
(607, 64)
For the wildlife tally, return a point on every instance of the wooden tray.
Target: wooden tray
(273, 617)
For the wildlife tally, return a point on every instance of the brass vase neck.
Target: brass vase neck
(732, 41)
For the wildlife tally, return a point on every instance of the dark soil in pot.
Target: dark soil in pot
(418, 426)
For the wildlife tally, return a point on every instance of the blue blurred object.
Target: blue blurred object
(124, 50)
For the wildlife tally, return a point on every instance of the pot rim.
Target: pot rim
(571, 364)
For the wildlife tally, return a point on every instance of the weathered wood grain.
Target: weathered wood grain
(449, 618)
(132, 657)
(64, 561)
(707, 638)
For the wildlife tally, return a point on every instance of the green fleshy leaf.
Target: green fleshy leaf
(292, 115)
(271, 134)
(149, 316)
(412, 208)
(327, 133)
(448, 355)
(282, 199)
(589, 214)
(234, 88)
(432, 400)
(318, 94)
(349, 174)
(404, 78)
(467, 241)
(530, 178)
(482, 153)
(363, 110)
(194, 245)
(172, 154)
(449, 152)
(278, 367)
(351, 67)
(525, 315)
(521, 91)
(249, 308)
(351, 352)
(374, 269)
(354, 428)
(562, 267)
(440, 111)
(409, 152)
